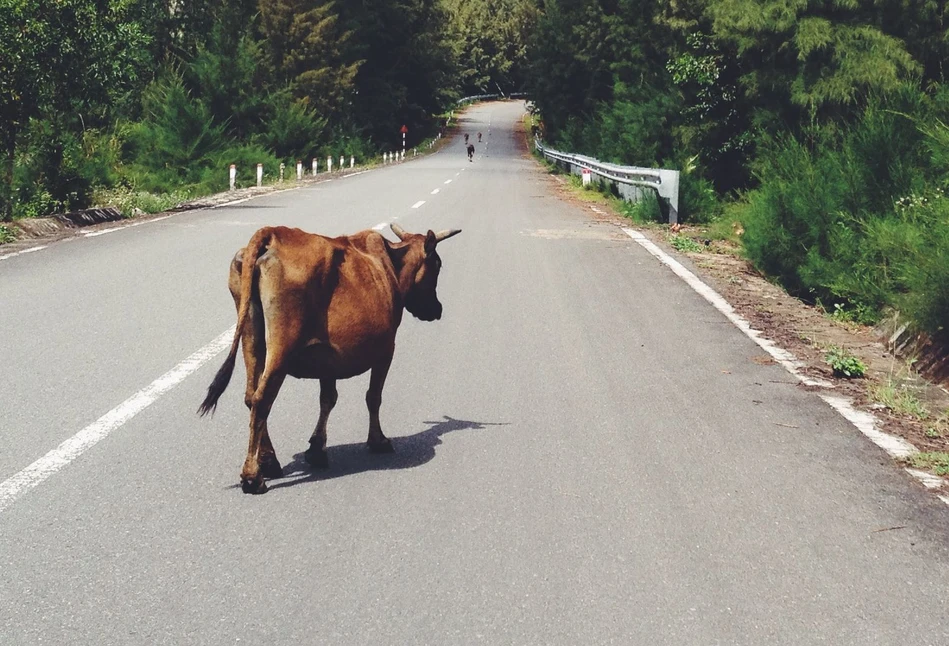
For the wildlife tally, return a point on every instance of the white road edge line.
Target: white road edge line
(23, 481)
(418, 204)
(93, 234)
(20, 253)
(866, 423)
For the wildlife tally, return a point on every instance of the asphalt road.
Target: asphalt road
(586, 451)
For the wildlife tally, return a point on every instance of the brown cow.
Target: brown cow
(322, 308)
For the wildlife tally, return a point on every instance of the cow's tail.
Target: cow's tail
(252, 251)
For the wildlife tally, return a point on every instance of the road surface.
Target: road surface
(586, 452)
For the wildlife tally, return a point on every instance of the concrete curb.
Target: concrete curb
(42, 227)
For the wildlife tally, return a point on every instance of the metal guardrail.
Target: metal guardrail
(629, 180)
(486, 97)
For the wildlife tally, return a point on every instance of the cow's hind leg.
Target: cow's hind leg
(252, 476)
(255, 354)
(377, 442)
(316, 454)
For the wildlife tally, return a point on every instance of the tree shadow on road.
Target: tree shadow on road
(349, 459)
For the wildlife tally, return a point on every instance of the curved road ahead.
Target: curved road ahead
(574, 464)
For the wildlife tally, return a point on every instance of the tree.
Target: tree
(66, 61)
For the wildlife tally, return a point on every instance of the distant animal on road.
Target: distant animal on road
(466, 138)
(322, 308)
(470, 151)
(479, 137)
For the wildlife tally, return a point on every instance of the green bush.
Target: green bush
(845, 364)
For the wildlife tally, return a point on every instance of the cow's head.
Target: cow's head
(422, 264)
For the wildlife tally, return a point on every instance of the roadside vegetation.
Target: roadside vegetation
(814, 135)
(145, 103)
(818, 130)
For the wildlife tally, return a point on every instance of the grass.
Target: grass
(899, 399)
(130, 203)
(6, 235)
(684, 243)
(935, 461)
(844, 364)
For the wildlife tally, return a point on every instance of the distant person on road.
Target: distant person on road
(466, 138)
(470, 152)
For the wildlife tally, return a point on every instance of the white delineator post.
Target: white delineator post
(260, 175)
(329, 164)
(314, 166)
(282, 166)
(233, 175)
(587, 176)
(299, 170)
(352, 161)
(385, 158)
(342, 162)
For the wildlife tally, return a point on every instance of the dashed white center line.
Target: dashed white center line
(435, 192)
(418, 204)
(448, 181)
(380, 226)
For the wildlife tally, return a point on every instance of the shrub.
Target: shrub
(845, 364)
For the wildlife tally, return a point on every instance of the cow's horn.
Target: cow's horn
(447, 233)
(399, 231)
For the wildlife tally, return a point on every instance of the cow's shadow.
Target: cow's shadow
(349, 459)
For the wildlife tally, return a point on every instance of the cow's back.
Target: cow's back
(342, 291)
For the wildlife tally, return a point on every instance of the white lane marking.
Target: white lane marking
(380, 226)
(21, 482)
(93, 234)
(865, 422)
(418, 204)
(448, 181)
(782, 356)
(929, 480)
(102, 232)
(435, 192)
(20, 253)
(354, 174)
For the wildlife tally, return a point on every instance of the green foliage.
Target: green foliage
(177, 139)
(293, 130)
(130, 203)
(6, 235)
(490, 39)
(935, 461)
(844, 364)
(685, 243)
(899, 399)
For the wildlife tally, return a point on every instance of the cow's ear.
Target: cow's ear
(430, 242)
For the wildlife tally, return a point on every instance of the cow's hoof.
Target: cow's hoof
(316, 458)
(253, 485)
(385, 446)
(270, 468)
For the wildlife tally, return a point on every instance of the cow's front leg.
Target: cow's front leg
(377, 442)
(316, 454)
